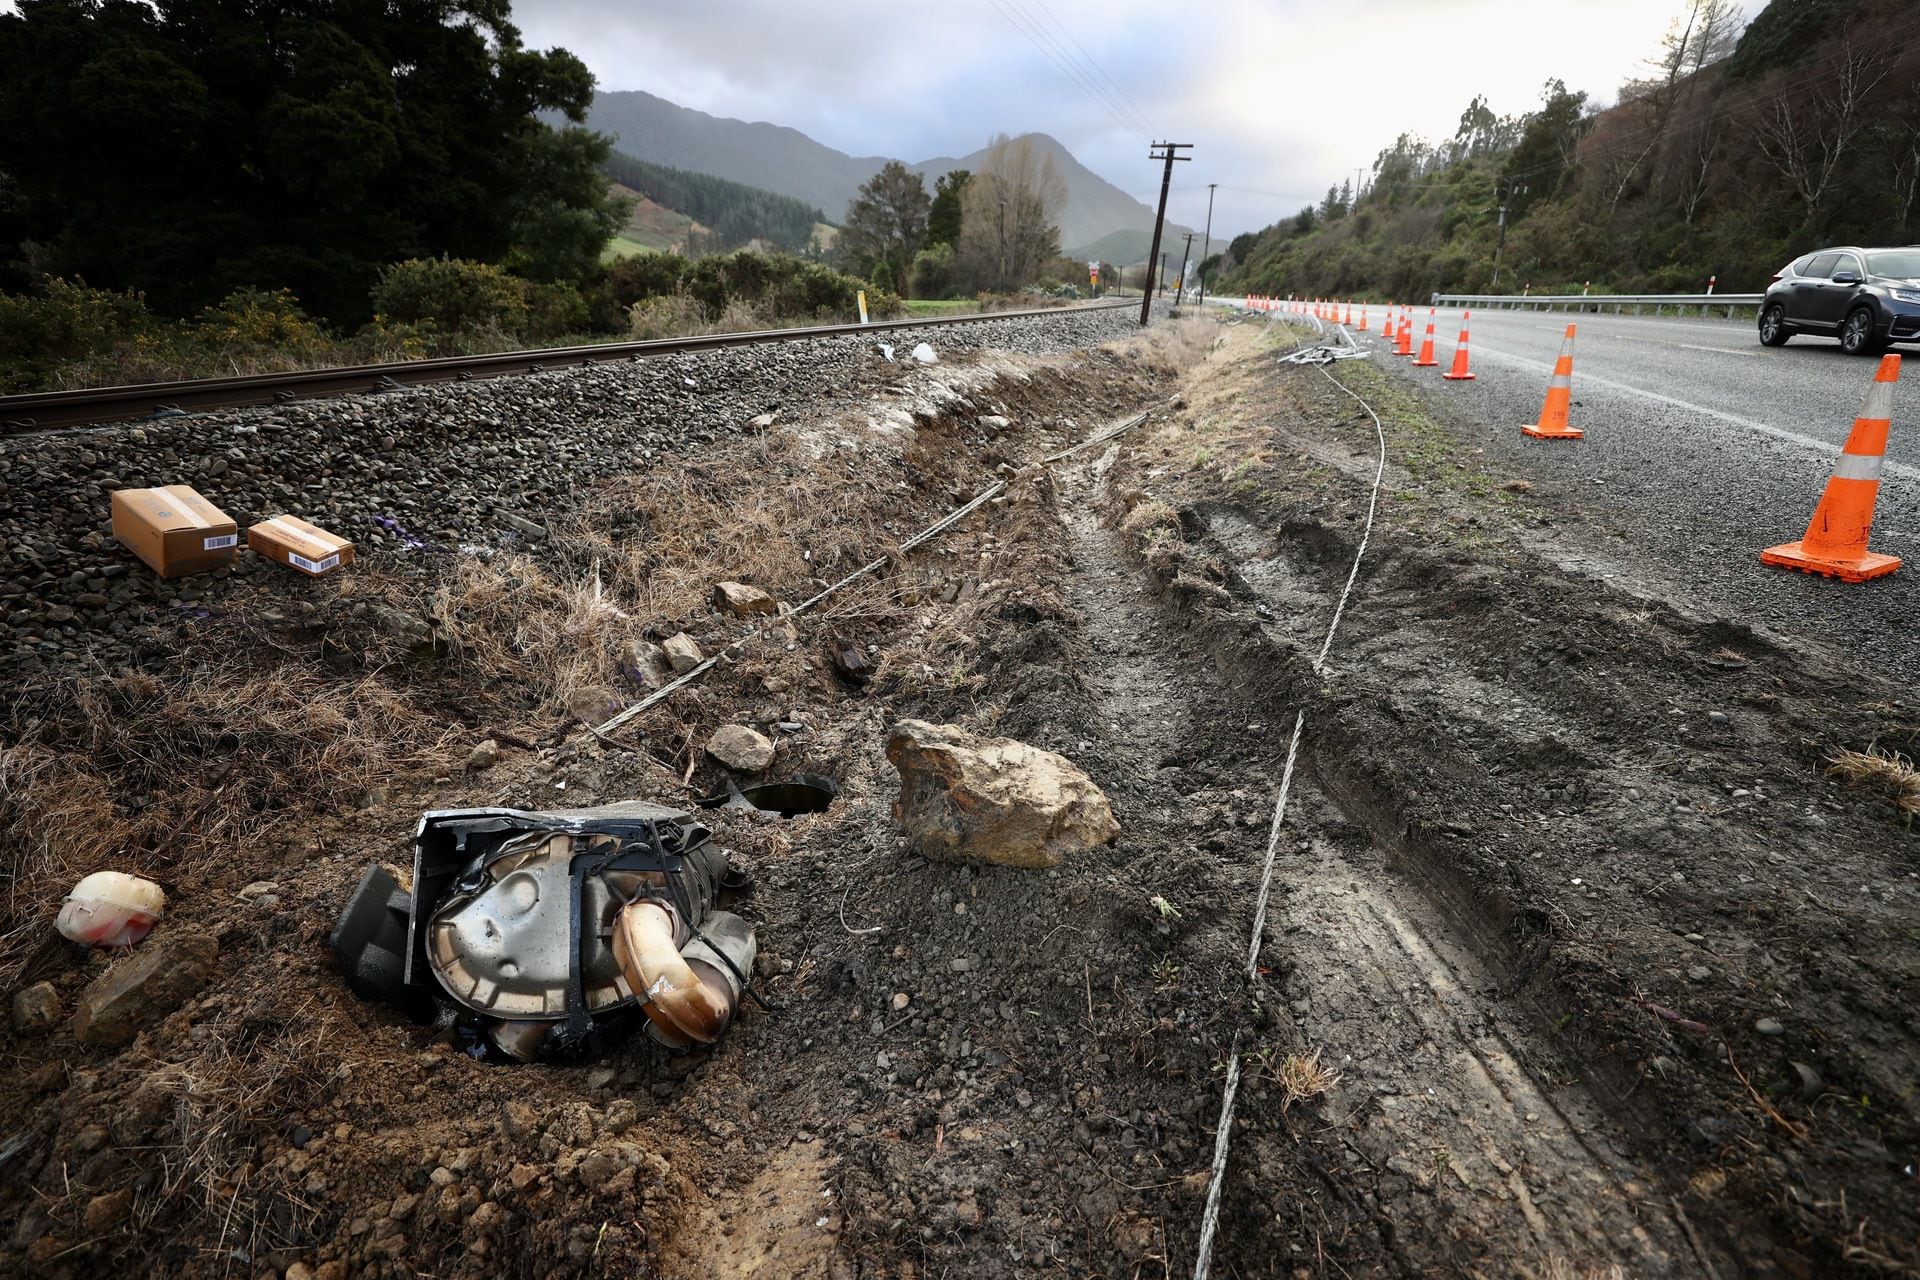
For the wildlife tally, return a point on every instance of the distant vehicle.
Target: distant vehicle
(1867, 298)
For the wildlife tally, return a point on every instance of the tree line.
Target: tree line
(735, 213)
(995, 229)
(189, 150)
(1741, 148)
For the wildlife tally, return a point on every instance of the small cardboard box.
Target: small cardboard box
(299, 545)
(174, 529)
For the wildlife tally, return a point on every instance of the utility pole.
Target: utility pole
(1180, 285)
(1163, 273)
(1501, 243)
(1169, 152)
(1206, 243)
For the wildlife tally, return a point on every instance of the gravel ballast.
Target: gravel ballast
(449, 466)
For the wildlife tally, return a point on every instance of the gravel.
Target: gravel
(408, 472)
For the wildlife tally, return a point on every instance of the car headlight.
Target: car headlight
(1905, 295)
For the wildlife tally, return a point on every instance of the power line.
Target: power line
(1036, 36)
(1136, 112)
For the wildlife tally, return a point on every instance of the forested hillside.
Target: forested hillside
(1739, 150)
(736, 213)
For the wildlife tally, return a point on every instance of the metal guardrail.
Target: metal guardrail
(1681, 303)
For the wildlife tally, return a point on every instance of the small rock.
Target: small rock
(258, 887)
(298, 1271)
(521, 525)
(683, 655)
(144, 987)
(764, 420)
(591, 704)
(1718, 717)
(901, 1000)
(36, 1009)
(849, 662)
(106, 1212)
(645, 663)
(1810, 1081)
(621, 1116)
(1699, 973)
(485, 755)
(1769, 1027)
(600, 1077)
(741, 749)
(742, 600)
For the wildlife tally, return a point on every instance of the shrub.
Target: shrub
(933, 272)
(644, 275)
(554, 311)
(260, 319)
(453, 294)
(67, 322)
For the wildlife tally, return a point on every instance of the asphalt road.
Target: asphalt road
(1702, 447)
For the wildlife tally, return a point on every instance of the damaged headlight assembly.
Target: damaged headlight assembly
(544, 932)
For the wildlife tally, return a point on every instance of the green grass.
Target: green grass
(939, 306)
(621, 247)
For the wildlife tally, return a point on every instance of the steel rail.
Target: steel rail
(88, 406)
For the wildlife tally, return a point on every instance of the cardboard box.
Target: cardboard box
(299, 545)
(174, 529)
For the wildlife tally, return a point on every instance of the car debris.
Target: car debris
(111, 910)
(545, 935)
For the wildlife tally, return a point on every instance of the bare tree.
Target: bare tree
(1009, 223)
(1706, 32)
(1807, 139)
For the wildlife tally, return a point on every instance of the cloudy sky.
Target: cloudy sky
(1281, 98)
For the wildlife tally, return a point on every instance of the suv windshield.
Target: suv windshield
(1902, 264)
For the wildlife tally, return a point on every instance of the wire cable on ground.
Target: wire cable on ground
(933, 530)
(1223, 1135)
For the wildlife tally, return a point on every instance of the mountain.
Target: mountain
(788, 162)
(771, 157)
(1095, 208)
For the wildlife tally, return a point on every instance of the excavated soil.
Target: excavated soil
(1576, 964)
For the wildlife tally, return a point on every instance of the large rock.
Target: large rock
(144, 987)
(967, 798)
(741, 749)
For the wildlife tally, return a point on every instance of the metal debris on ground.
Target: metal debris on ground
(543, 935)
(1340, 347)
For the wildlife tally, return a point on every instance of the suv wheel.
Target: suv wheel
(1773, 326)
(1856, 334)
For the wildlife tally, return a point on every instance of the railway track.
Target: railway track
(87, 406)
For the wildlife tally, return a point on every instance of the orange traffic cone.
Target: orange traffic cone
(1403, 340)
(1836, 541)
(1346, 312)
(1460, 372)
(1363, 317)
(1426, 360)
(1553, 414)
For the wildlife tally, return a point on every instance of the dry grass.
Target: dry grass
(1883, 773)
(142, 773)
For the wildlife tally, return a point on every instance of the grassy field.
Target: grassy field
(621, 247)
(939, 306)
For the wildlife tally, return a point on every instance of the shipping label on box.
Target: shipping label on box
(299, 545)
(174, 529)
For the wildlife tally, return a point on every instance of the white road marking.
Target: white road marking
(1826, 449)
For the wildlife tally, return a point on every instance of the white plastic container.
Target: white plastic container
(111, 909)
